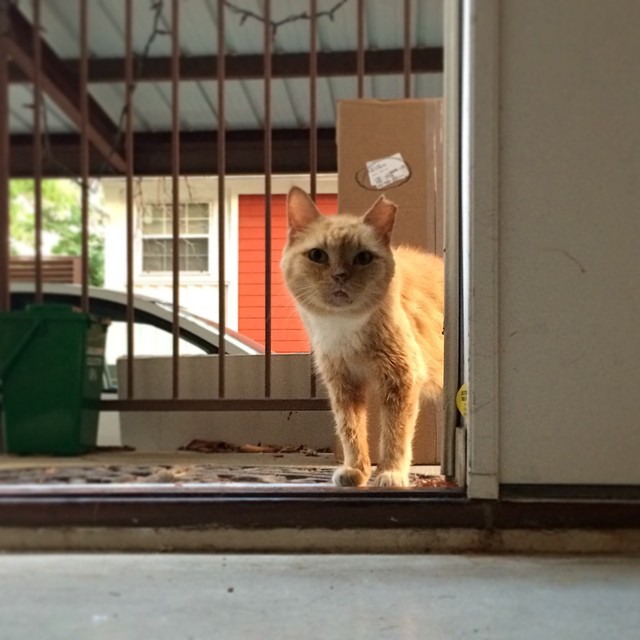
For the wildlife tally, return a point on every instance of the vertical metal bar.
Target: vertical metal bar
(222, 305)
(175, 178)
(84, 149)
(37, 145)
(129, 151)
(407, 49)
(360, 54)
(313, 127)
(5, 301)
(267, 195)
(313, 86)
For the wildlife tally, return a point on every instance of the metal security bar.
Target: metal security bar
(268, 166)
(222, 155)
(175, 187)
(100, 139)
(37, 147)
(5, 26)
(129, 155)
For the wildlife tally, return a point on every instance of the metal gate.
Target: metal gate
(194, 87)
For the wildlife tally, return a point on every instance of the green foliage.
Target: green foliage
(61, 223)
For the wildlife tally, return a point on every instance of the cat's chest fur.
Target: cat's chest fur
(337, 336)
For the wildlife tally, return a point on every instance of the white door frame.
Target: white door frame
(479, 161)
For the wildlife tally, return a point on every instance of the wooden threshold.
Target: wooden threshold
(259, 508)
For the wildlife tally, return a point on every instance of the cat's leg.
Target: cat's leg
(348, 401)
(400, 406)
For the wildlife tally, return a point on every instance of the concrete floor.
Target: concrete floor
(263, 597)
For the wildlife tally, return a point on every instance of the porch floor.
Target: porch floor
(183, 467)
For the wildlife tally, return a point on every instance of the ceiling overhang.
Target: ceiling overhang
(59, 80)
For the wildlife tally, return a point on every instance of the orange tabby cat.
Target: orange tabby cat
(374, 316)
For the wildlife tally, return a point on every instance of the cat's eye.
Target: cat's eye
(318, 255)
(363, 258)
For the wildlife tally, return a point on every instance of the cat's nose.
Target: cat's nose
(339, 276)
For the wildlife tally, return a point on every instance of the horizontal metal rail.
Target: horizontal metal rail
(221, 404)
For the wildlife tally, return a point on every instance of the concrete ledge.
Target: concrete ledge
(133, 539)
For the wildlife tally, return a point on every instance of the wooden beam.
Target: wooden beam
(62, 87)
(251, 67)
(244, 153)
(288, 65)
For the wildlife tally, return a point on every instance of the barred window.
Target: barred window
(157, 244)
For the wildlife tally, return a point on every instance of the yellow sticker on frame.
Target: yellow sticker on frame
(461, 399)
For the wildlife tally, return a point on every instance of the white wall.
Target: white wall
(567, 190)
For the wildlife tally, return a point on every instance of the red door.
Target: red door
(287, 332)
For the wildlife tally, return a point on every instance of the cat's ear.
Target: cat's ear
(381, 217)
(301, 211)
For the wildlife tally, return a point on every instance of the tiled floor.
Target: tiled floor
(181, 597)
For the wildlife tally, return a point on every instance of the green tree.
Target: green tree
(61, 223)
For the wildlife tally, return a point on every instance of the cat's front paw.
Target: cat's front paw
(349, 477)
(392, 479)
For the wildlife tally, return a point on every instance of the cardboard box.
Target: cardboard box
(369, 130)
(374, 130)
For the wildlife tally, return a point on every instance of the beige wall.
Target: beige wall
(568, 222)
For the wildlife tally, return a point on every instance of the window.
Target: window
(157, 244)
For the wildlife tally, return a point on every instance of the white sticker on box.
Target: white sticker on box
(387, 171)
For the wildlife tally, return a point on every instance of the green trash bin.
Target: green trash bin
(51, 367)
